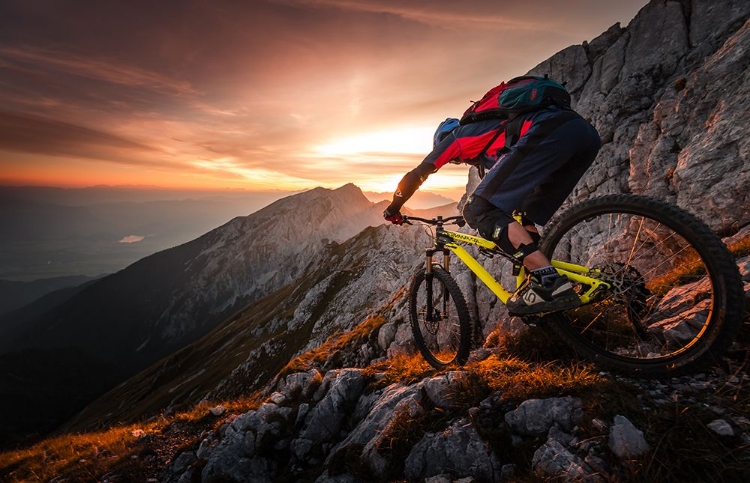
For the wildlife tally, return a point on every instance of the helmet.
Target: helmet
(445, 128)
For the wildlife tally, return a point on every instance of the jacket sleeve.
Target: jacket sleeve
(462, 145)
(409, 184)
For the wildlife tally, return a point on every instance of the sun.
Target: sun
(405, 141)
(383, 157)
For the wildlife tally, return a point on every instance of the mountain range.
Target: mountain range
(160, 304)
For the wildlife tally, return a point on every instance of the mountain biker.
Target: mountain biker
(534, 160)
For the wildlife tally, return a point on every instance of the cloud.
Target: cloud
(98, 69)
(450, 14)
(31, 134)
(248, 92)
(132, 239)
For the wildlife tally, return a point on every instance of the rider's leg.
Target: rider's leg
(521, 235)
(549, 163)
(545, 290)
(495, 224)
(544, 200)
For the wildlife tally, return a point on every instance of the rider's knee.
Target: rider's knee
(489, 220)
(475, 210)
(501, 237)
(493, 223)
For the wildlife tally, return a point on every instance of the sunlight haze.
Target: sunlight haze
(259, 95)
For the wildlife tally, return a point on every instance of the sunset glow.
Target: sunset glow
(415, 140)
(267, 94)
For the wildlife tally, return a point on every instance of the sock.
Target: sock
(545, 275)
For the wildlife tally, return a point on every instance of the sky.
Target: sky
(259, 94)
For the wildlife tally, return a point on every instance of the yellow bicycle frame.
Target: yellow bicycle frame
(576, 273)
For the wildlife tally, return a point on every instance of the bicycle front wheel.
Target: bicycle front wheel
(440, 320)
(676, 297)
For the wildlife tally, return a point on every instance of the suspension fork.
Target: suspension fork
(429, 261)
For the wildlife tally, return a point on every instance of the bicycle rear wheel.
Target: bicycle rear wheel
(440, 320)
(676, 301)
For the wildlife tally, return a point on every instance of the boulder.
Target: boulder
(458, 450)
(625, 440)
(535, 417)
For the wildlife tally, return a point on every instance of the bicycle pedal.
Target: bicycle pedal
(516, 269)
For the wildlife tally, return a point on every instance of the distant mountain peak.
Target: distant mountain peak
(349, 187)
(348, 190)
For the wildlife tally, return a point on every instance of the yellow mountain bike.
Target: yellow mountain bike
(660, 292)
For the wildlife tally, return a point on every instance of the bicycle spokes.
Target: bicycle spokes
(665, 294)
(440, 320)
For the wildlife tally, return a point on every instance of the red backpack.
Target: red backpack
(519, 95)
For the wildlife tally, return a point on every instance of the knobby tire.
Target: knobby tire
(441, 324)
(679, 299)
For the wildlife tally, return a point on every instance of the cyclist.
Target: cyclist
(530, 173)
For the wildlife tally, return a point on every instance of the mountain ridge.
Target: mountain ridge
(154, 289)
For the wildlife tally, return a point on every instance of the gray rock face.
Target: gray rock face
(658, 40)
(721, 427)
(535, 417)
(325, 420)
(554, 460)
(438, 389)
(408, 408)
(625, 440)
(458, 449)
(669, 97)
(239, 455)
(379, 413)
(710, 20)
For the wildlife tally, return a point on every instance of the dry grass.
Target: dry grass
(135, 452)
(404, 368)
(397, 439)
(80, 457)
(740, 248)
(318, 356)
(689, 270)
(691, 267)
(519, 380)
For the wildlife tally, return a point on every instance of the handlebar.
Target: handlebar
(437, 221)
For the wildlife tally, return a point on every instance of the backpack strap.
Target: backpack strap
(513, 130)
(483, 152)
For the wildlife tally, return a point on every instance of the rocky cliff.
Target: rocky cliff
(349, 282)
(669, 96)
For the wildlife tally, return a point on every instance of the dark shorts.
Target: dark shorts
(541, 170)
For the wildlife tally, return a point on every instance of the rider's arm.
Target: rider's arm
(463, 144)
(408, 185)
(446, 150)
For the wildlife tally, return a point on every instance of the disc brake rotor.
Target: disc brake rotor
(628, 289)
